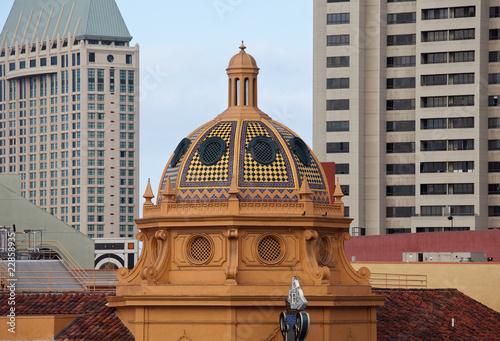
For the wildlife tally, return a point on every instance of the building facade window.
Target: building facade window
(494, 56)
(337, 83)
(400, 126)
(430, 80)
(462, 210)
(401, 61)
(461, 78)
(434, 58)
(493, 211)
(462, 56)
(495, 12)
(495, 34)
(435, 14)
(460, 122)
(401, 83)
(463, 12)
(467, 144)
(493, 189)
(337, 147)
(493, 122)
(341, 168)
(461, 188)
(493, 144)
(341, 61)
(493, 101)
(433, 189)
(400, 147)
(493, 167)
(433, 123)
(433, 145)
(401, 104)
(401, 18)
(461, 166)
(401, 39)
(332, 126)
(431, 211)
(494, 78)
(338, 40)
(463, 34)
(337, 104)
(400, 212)
(430, 36)
(402, 168)
(338, 18)
(433, 102)
(460, 101)
(400, 190)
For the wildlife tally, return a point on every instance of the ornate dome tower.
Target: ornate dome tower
(243, 207)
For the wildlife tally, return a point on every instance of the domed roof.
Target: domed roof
(244, 152)
(242, 60)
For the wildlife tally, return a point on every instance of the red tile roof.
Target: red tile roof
(408, 314)
(426, 314)
(99, 322)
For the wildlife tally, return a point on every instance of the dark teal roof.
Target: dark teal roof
(90, 19)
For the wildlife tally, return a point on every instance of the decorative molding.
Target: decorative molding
(288, 243)
(232, 256)
(181, 245)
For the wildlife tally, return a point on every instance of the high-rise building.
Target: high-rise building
(69, 112)
(406, 104)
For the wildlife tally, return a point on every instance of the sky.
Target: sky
(185, 47)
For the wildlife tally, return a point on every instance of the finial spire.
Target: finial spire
(242, 47)
(169, 191)
(148, 195)
(338, 192)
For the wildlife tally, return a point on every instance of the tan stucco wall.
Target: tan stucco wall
(481, 281)
(34, 327)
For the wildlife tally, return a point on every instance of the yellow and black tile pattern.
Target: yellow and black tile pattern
(196, 174)
(173, 172)
(312, 173)
(254, 174)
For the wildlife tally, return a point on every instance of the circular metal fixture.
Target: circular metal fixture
(200, 249)
(263, 149)
(180, 150)
(300, 149)
(270, 249)
(212, 150)
(110, 58)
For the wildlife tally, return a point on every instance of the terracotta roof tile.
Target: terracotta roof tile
(427, 314)
(424, 314)
(99, 322)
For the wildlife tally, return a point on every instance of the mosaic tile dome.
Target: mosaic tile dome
(266, 160)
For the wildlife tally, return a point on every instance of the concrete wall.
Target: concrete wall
(477, 280)
(15, 210)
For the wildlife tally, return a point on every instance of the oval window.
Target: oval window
(300, 149)
(212, 150)
(263, 149)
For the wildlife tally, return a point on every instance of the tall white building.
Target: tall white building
(69, 112)
(406, 104)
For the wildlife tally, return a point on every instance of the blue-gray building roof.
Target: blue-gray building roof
(85, 19)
